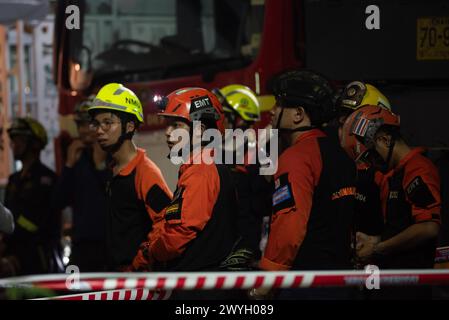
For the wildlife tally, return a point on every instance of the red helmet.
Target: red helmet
(353, 147)
(192, 104)
(360, 128)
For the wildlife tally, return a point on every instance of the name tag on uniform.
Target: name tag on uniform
(283, 195)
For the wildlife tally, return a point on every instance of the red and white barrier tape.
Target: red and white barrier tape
(128, 294)
(227, 280)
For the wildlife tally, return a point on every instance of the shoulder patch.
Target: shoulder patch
(283, 195)
(173, 211)
(157, 199)
(419, 193)
(199, 103)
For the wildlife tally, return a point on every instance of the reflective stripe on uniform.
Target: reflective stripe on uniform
(27, 224)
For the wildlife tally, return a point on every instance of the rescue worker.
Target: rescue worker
(410, 195)
(313, 202)
(35, 242)
(86, 161)
(200, 223)
(368, 216)
(136, 192)
(241, 109)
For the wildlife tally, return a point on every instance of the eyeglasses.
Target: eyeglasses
(105, 125)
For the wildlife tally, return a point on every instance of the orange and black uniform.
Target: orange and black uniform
(410, 194)
(313, 207)
(136, 198)
(368, 217)
(200, 223)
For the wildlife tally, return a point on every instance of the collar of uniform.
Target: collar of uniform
(410, 155)
(314, 133)
(133, 163)
(406, 159)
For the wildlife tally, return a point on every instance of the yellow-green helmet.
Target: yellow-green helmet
(242, 100)
(29, 127)
(114, 96)
(358, 94)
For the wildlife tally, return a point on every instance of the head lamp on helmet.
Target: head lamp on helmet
(358, 94)
(160, 101)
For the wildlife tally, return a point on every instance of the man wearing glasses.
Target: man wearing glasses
(137, 192)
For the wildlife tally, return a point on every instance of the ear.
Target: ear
(203, 128)
(298, 115)
(197, 129)
(385, 140)
(130, 126)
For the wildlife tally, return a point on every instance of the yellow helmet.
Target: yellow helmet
(241, 99)
(114, 96)
(358, 94)
(29, 127)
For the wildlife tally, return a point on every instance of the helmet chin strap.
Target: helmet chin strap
(390, 153)
(307, 128)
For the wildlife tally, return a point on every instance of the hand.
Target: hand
(240, 260)
(366, 245)
(74, 152)
(99, 157)
(142, 261)
(260, 294)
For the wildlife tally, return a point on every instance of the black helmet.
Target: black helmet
(29, 127)
(307, 89)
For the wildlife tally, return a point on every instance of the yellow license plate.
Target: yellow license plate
(432, 40)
